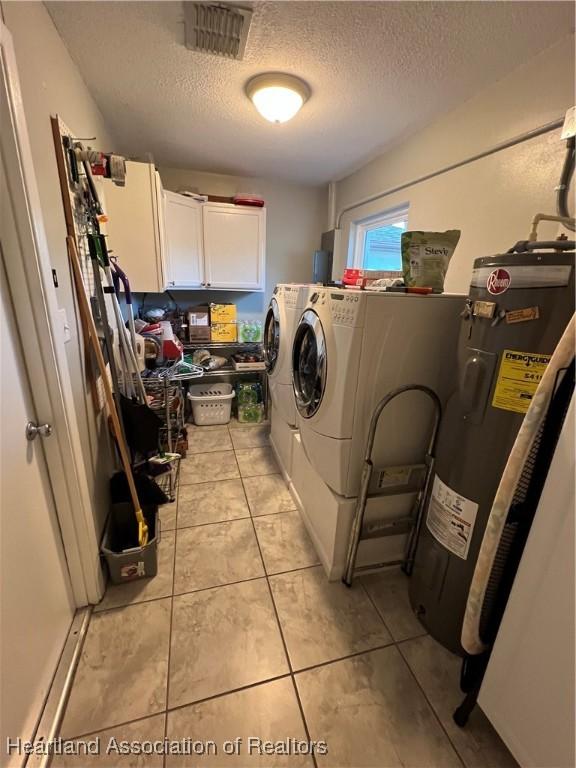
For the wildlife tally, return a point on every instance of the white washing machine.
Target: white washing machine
(286, 305)
(283, 314)
(282, 444)
(350, 349)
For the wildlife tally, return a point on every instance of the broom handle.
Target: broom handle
(88, 322)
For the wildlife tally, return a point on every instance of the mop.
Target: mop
(88, 322)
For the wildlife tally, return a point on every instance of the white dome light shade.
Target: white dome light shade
(277, 104)
(278, 97)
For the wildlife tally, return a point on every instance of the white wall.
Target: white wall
(51, 84)
(295, 219)
(491, 200)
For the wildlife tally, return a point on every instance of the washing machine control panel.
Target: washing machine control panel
(291, 295)
(344, 307)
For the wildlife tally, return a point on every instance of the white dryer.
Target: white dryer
(286, 305)
(351, 348)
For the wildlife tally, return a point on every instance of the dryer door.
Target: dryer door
(309, 364)
(272, 336)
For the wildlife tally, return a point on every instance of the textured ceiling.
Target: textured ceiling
(378, 71)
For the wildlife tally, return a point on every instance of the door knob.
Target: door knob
(33, 430)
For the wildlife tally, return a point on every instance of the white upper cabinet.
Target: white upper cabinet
(164, 240)
(234, 246)
(183, 225)
(135, 226)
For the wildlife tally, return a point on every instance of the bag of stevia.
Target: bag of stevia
(425, 257)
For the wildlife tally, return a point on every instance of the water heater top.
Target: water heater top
(509, 271)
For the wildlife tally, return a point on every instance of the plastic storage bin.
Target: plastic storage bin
(136, 562)
(211, 403)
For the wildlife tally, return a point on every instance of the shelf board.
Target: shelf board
(220, 344)
(231, 372)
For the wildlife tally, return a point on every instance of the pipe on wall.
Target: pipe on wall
(519, 139)
(331, 205)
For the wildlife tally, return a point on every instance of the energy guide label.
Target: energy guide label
(451, 518)
(518, 378)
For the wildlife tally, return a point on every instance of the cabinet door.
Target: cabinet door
(183, 233)
(234, 246)
(133, 227)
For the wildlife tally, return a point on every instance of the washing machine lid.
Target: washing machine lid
(271, 342)
(309, 364)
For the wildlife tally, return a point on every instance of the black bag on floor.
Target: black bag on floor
(141, 425)
(149, 492)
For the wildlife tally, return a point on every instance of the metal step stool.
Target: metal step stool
(391, 481)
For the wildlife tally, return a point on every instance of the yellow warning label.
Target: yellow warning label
(518, 378)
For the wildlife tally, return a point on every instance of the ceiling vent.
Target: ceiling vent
(217, 28)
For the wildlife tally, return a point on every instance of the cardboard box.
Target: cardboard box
(224, 332)
(222, 313)
(199, 324)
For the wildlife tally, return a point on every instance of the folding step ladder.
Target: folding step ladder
(392, 481)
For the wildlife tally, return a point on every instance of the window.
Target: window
(376, 241)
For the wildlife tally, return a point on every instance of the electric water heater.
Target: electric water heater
(518, 307)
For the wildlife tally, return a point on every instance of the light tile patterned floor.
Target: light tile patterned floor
(240, 636)
(284, 542)
(267, 494)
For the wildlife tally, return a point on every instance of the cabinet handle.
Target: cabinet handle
(208, 284)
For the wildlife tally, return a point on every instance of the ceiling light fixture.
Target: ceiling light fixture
(278, 97)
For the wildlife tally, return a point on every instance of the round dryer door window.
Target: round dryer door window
(272, 336)
(309, 364)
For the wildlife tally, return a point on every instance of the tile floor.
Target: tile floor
(241, 636)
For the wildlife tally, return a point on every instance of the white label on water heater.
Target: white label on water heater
(451, 518)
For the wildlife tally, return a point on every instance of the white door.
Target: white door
(36, 606)
(234, 246)
(183, 233)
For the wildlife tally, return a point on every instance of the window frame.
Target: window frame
(360, 227)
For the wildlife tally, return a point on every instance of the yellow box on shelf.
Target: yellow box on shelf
(222, 313)
(224, 332)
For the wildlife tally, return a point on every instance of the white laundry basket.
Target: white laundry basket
(211, 403)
